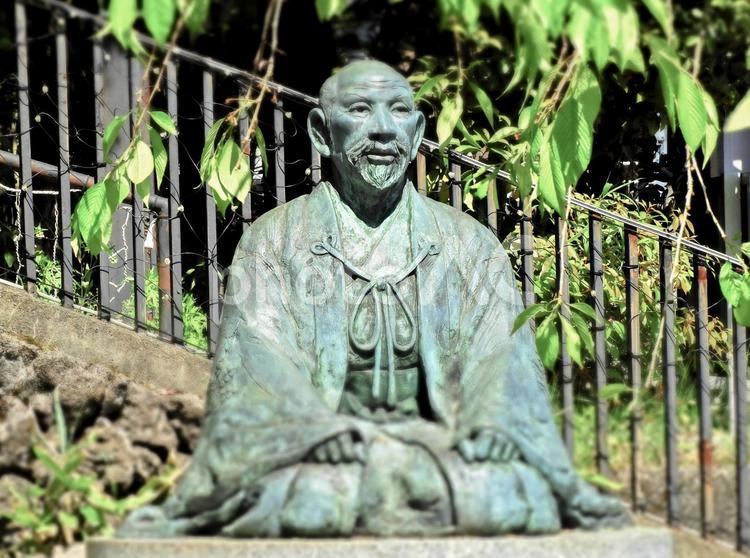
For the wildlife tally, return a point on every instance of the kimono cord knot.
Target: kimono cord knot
(382, 289)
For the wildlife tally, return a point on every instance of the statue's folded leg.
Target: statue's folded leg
(499, 498)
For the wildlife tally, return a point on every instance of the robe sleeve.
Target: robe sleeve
(503, 384)
(263, 412)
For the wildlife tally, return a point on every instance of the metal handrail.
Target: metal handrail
(428, 146)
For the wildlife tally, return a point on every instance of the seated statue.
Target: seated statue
(366, 379)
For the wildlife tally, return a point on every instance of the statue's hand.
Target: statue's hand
(343, 448)
(488, 445)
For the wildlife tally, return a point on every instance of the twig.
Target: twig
(675, 264)
(275, 9)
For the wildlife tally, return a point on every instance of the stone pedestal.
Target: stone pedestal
(638, 542)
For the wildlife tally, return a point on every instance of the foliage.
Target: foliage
(577, 328)
(49, 280)
(194, 320)
(71, 505)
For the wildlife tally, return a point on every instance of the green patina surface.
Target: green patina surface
(366, 379)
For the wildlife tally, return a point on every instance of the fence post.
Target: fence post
(632, 296)
(28, 252)
(596, 271)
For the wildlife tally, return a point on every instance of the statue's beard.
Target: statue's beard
(380, 175)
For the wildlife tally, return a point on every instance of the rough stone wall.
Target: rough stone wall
(133, 431)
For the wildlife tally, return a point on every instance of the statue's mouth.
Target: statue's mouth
(378, 156)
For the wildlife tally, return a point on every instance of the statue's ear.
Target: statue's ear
(418, 134)
(317, 129)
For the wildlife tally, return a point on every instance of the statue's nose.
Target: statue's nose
(382, 128)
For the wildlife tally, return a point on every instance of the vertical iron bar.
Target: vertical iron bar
(740, 393)
(247, 206)
(598, 330)
(137, 221)
(421, 173)
(174, 210)
(457, 192)
(705, 444)
(527, 257)
(213, 270)
(669, 373)
(63, 138)
(492, 203)
(103, 299)
(24, 121)
(279, 156)
(315, 165)
(632, 297)
(566, 366)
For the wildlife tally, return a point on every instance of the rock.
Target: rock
(81, 388)
(145, 421)
(10, 484)
(185, 412)
(109, 455)
(42, 405)
(18, 428)
(15, 362)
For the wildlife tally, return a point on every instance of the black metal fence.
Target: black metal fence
(181, 222)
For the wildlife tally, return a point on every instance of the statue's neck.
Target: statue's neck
(369, 205)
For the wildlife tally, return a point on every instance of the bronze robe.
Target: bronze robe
(281, 365)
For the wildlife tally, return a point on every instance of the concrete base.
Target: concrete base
(638, 542)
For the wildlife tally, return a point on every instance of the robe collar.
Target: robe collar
(331, 336)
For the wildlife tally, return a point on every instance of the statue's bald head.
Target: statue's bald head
(367, 124)
(362, 73)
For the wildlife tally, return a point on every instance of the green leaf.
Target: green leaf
(548, 341)
(122, 15)
(328, 9)
(611, 391)
(117, 189)
(427, 87)
(712, 128)
(160, 155)
(111, 132)
(658, 10)
(144, 190)
(485, 103)
(742, 312)
(584, 332)
(521, 176)
(668, 66)
(67, 519)
(226, 160)
(739, 119)
(92, 219)
(141, 163)
(164, 121)
(731, 284)
(572, 341)
(603, 482)
(552, 188)
(261, 142)
(159, 17)
(208, 149)
(91, 515)
(528, 314)
(449, 115)
(691, 112)
(584, 309)
(197, 14)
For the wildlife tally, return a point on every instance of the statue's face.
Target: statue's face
(372, 128)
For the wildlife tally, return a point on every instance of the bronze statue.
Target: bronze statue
(366, 379)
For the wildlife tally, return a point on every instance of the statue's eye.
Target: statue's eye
(400, 109)
(359, 108)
